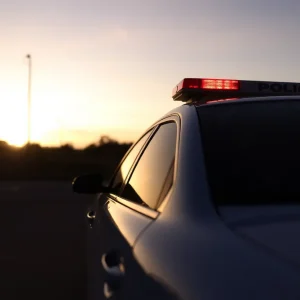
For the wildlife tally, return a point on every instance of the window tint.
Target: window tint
(252, 152)
(153, 175)
(127, 163)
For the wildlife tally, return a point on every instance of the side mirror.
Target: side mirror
(89, 184)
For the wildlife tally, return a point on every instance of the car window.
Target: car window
(252, 151)
(127, 163)
(153, 175)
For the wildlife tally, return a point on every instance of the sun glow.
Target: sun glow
(14, 122)
(14, 138)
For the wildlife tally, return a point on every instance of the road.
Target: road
(43, 241)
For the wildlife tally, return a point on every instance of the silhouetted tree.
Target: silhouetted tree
(91, 147)
(67, 148)
(4, 145)
(105, 139)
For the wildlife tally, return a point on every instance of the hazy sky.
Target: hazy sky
(108, 67)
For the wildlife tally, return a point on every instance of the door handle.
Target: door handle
(113, 264)
(108, 291)
(91, 215)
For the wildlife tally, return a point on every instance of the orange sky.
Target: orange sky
(109, 68)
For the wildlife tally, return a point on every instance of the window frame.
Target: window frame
(152, 213)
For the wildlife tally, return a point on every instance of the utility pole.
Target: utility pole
(29, 98)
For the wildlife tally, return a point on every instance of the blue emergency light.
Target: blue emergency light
(205, 89)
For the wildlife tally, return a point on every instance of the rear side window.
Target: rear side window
(252, 151)
(152, 177)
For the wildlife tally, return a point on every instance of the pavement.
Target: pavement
(42, 241)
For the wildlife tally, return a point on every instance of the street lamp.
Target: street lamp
(29, 98)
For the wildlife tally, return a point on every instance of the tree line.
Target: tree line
(34, 162)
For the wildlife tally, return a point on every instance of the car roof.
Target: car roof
(246, 99)
(196, 104)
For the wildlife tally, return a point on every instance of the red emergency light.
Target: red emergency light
(207, 89)
(219, 84)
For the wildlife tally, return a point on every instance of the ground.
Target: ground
(43, 241)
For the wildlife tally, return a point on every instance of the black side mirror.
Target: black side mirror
(89, 184)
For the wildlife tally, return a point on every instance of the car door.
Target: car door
(126, 215)
(95, 214)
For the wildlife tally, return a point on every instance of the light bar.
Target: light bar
(207, 89)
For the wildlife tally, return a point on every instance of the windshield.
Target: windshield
(252, 151)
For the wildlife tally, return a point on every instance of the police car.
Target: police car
(206, 204)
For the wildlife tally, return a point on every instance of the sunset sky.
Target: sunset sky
(108, 67)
